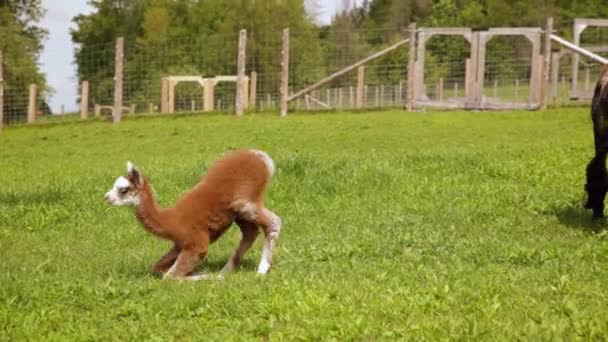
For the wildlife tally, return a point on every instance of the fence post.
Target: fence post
(31, 105)
(284, 91)
(411, 70)
(440, 89)
(360, 85)
(1, 90)
(253, 88)
(209, 92)
(164, 95)
(84, 100)
(544, 93)
(554, 75)
(241, 60)
(118, 79)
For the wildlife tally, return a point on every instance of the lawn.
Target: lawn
(397, 225)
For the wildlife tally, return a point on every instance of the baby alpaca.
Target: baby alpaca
(232, 191)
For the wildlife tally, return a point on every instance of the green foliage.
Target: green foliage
(442, 226)
(21, 44)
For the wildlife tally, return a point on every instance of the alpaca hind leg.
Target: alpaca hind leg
(250, 232)
(272, 227)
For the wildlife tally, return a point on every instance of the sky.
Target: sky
(57, 58)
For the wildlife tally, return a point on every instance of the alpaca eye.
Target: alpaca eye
(123, 190)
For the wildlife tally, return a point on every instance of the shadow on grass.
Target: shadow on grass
(576, 217)
(212, 268)
(43, 196)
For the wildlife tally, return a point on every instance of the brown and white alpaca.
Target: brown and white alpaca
(231, 191)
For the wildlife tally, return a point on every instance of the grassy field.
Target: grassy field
(396, 225)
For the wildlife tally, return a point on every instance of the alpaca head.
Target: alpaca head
(126, 190)
(596, 187)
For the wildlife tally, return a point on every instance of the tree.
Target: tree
(21, 43)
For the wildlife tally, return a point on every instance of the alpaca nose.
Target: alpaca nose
(107, 198)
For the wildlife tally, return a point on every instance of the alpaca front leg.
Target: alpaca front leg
(186, 263)
(166, 261)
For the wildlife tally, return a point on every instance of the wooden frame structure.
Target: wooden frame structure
(169, 83)
(475, 65)
(580, 25)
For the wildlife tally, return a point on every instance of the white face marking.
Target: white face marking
(122, 193)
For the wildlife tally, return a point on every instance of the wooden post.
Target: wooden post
(411, 70)
(554, 75)
(377, 102)
(440, 89)
(269, 99)
(171, 96)
(400, 92)
(328, 97)
(118, 79)
(544, 93)
(209, 91)
(97, 110)
(164, 95)
(253, 88)
(192, 105)
(132, 108)
(1, 90)
(455, 89)
(587, 79)
(285, 73)
(31, 105)
(396, 99)
(241, 60)
(351, 99)
(339, 105)
(382, 96)
(516, 89)
(495, 89)
(360, 85)
(84, 100)
(150, 108)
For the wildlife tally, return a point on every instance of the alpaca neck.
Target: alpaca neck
(155, 219)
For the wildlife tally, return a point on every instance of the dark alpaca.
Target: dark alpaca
(597, 177)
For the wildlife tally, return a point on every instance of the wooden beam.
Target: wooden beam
(346, 70)
(241, 63)
(285, 73)
(118, 79)
(578, 50)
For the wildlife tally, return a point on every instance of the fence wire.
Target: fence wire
(313, 56)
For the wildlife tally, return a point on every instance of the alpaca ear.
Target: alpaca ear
(134, 175)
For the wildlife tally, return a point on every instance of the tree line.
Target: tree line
(199, 37)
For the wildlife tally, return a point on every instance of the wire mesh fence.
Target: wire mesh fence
(210, 64)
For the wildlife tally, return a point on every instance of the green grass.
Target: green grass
(396, 226)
